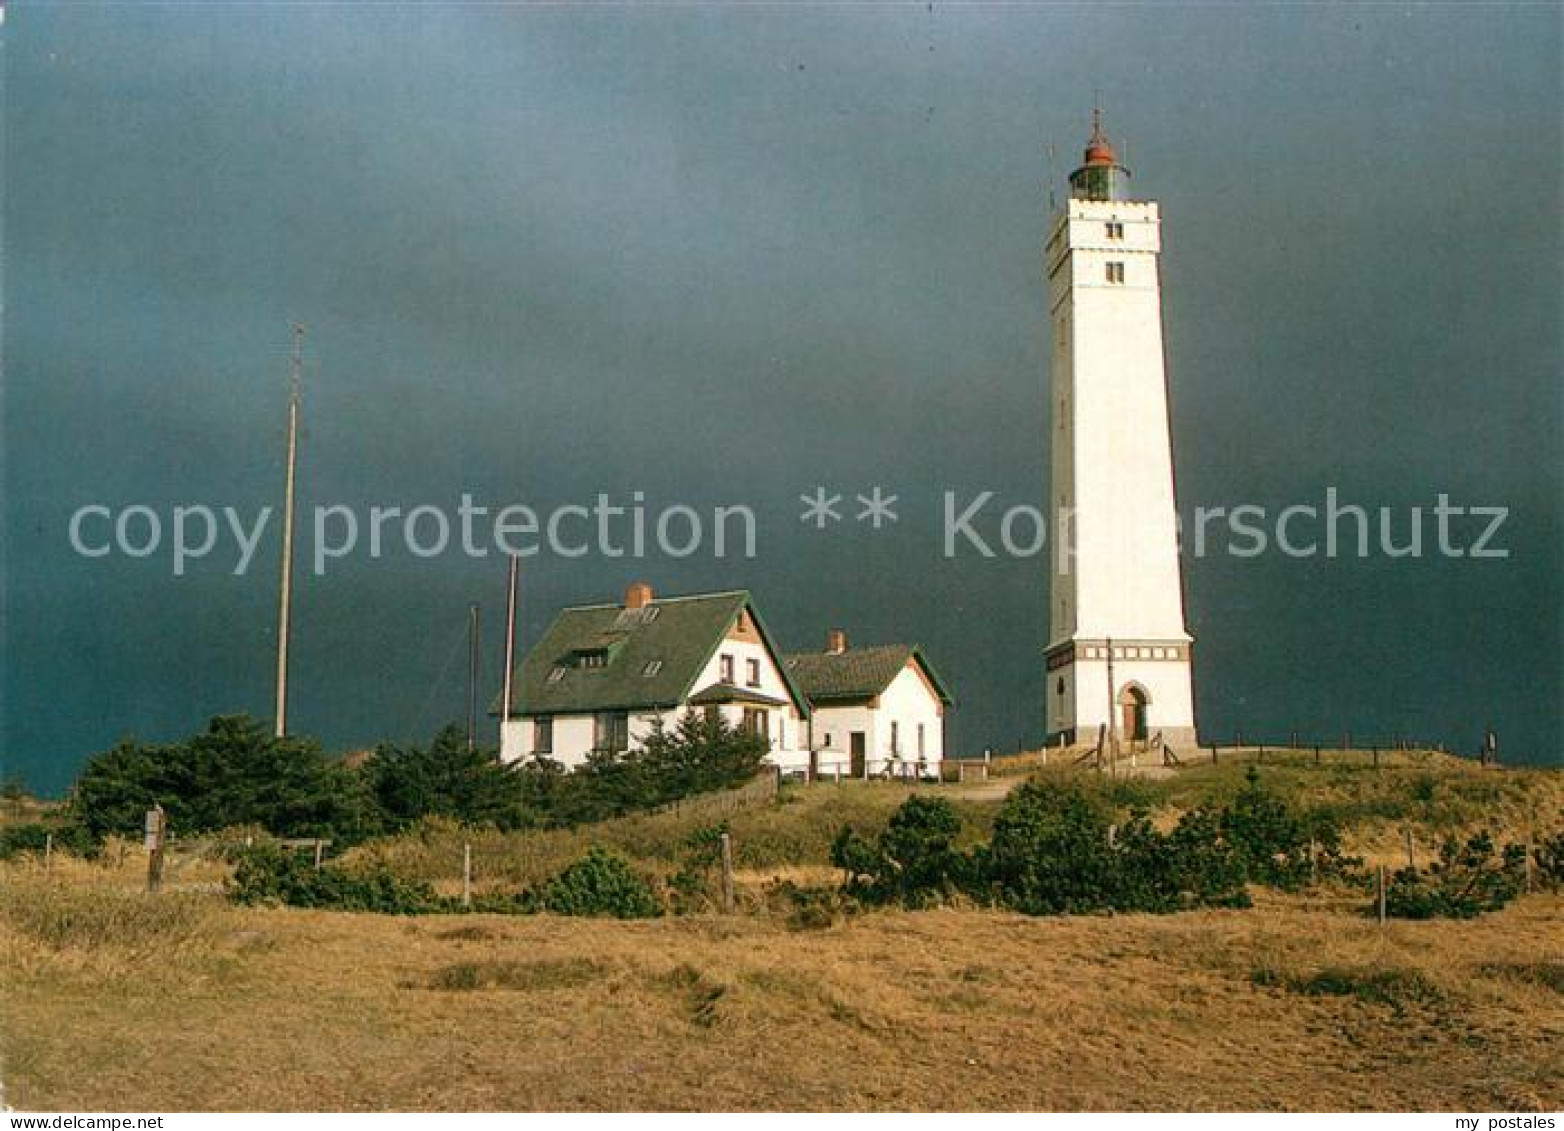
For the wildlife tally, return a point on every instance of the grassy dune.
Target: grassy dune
(115, 1000)
(199, 1005)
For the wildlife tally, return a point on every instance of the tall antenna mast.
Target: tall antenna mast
(285, 594)
(512, 584)
(474, 635)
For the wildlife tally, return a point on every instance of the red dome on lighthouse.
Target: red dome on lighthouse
(1099, 150)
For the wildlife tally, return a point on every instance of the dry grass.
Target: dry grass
(1300, 1003)
(796, 832)
(1290, 1005)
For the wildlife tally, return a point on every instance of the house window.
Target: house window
(652, 668)
(543, 735)
(611, 731)
(827, 745)
(920, 740)
(756, 721)
(557, 674)
(1115, 230)
(726, 667)
(1115, 272)
(895, 737)
(752, 673)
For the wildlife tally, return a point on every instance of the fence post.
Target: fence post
(320, 852)
(48, 851)
(1380, 885)
(1316, 753)
(727, 873)
(1411, 850)
(156, 831)
(1376, 757)
(467, 875)
(1213, 754)
(1528, 862)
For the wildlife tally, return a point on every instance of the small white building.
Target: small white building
(877, 710)
(602, 675)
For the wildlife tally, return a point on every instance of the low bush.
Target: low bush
(33, 839)
(913, 863)
(1397, 987)
(267, 874)
(601, 883)
(1060, 846)
(1468, 879)
(1548, 854)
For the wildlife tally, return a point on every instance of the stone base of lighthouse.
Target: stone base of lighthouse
(1151, 691)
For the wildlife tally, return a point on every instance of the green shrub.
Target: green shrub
(1468, 879)
(449, 779)
(33, 838)
(807, 908)
(601, 883)
(269, 874)
(692, 887)
(1548, 854)
(1278, 846)
(1394, 986)
(914, 862)
(233, 773)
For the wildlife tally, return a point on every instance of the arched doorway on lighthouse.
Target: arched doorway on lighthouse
(1133, 702)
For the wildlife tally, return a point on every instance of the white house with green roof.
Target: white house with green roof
(602, 675)
(873, 711)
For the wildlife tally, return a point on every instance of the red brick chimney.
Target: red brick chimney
(836, 642)
(638, 594)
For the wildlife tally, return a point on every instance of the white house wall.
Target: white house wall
(574, 735)
(907, 701)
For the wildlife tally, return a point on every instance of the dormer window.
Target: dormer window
(652, 668)
(592, 658)
(557, 674)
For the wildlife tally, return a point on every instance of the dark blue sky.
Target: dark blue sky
(727, 255)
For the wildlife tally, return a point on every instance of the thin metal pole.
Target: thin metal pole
(474, 636)
(513, 584)
(1113, 734)
(285, 595)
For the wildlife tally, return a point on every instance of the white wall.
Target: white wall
(908, 701)
(574, 734)
(1112, 461)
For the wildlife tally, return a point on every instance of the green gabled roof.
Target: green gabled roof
(683, 633)
(857, 673)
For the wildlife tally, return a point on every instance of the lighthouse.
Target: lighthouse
(1118, 650)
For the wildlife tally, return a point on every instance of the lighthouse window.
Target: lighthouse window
(1115, 231)
(1115, 272)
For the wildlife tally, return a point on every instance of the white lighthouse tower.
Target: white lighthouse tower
(1118, 650)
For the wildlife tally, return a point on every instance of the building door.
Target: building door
(859, 748)
(1132, 705)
